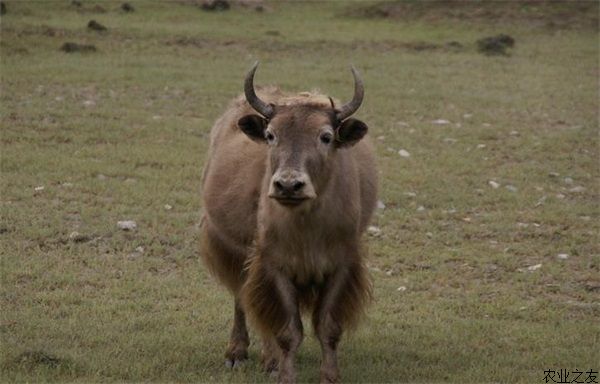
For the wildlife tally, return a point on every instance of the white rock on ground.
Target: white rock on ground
(401, 288)
(404, 153)
(374, 231)
(440, 122)
(127, 225)
(534, 267)
(493, 184)
(380, 204)
(562, 256)
(39, 189)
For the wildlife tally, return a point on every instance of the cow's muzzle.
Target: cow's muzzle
(291, 188)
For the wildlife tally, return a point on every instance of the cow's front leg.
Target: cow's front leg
(340, 303)
(272, 302)
(237, 351)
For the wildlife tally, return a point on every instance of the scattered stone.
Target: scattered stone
(168, 207)
(380, 138)
(577, 189)
(96, 26)
(380, 204)
(402, 124)
(389, 272)
(67, 185)
(486, 124)
(126, 7)
(511, 188)
(553, 174)
(70, 47)
(429, 234)
(215, 5)
(89, 103)
(440, 122)
(39, 188)
(568, 180)
(101, 177)
(420, 208)
(494, 184)
(139, 249)
(127, 225)
(541, 201)
(534, 267)
(562, 256)
(467, 115)
(374, 231)
(560, 196)
(495, 45)
(522, 225)
(77, 237)
(2, 8)
(404, 153)
(410, 194)
(481, 146)
(401, 288)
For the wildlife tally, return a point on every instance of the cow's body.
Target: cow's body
(290, 247)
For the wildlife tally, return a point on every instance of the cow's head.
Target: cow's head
(303, 139)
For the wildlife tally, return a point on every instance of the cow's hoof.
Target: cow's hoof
(234, 363)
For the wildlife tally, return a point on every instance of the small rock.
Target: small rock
(420, 208)
(410, 194)
(67, 185)
(127, 225)
(168, 207)
(77, 237)
(126, 7)
(568, 180)
(577, 189)
(96, 26)
(467, 115)
(511, 188)
(404, 153)
(514, 133)
(560, 196)
(440, 122)
(380, 138)
(486, 124)
(139, 249)
(495, 45)
(380, 204)
(562, 256)
(39, 189)
(70, 47)
(481, 146)
(374, 231)
(522, 225)
(215, 5)
(389, 272)
(401, 288)
(494, 184)
(553, 174)
(534, 267)
(101, 177)
(541, 201)
(402, 124)
(429, 234)
(89, 103)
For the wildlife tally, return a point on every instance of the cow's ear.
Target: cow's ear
(349, 132)
(254, 127)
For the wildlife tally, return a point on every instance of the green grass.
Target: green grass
(119, 133)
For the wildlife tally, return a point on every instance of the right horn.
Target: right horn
(260, 106)
(348, 109)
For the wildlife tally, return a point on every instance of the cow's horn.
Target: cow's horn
(260, 106)
(348, 109)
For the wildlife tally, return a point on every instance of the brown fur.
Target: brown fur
(279, 261)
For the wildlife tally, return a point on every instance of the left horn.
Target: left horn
(260, 106)
(348, 109)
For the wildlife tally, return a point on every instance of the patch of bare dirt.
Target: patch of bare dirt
(538, 13)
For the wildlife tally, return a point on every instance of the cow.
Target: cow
(289, 187)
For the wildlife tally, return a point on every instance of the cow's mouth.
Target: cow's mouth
(290, 201)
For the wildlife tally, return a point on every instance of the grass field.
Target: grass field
(469, 285)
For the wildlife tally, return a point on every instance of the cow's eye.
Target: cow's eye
(326, 138)
(270, 137)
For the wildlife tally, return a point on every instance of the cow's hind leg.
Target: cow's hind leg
(237, 351)
(270, 355)
(339, 306)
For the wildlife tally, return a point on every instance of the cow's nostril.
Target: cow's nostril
(298, 186)
(278, 185)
